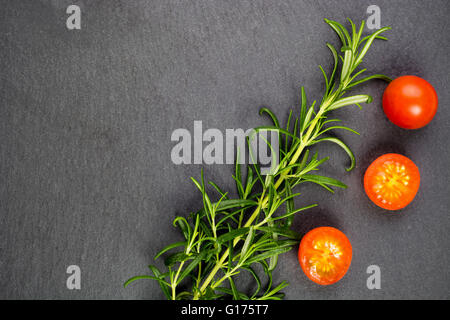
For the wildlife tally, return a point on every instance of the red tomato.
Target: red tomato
(325, 255)
(410, 102)
(392, 181)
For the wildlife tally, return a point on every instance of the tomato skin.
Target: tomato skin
(410, 102)
(392, 181)
(325, 254)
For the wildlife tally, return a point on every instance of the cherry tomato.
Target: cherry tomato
(325, 255)
(392, 181)
(410, 102)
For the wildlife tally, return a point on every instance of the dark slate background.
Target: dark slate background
(86, 118)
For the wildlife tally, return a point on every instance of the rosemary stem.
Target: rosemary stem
(308, 127)
(212, 274)
(174, 283)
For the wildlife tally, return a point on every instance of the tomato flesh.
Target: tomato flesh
(410, 102)
(325, 254)
(392, 181)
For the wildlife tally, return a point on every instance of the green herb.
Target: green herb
(231, 236)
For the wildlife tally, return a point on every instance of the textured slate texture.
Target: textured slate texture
(86, 118)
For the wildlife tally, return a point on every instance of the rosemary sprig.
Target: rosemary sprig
(218, 244)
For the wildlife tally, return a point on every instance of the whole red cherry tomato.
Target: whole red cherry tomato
(325, 255)
(392, 181)
(410, 102)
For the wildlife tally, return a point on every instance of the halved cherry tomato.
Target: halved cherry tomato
(392, 181)
(410, 102)
(325, 255)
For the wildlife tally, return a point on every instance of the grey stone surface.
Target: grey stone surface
(86, 118)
